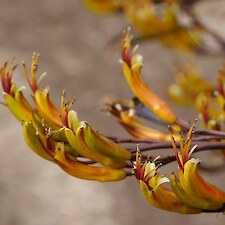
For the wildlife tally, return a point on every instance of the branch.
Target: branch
(131, 140)
(202, 146)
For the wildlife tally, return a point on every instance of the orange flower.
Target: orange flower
(132, 65)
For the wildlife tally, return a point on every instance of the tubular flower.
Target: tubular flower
(84, 171)
(190, 187)
(13, 97)
(56, 134)
(128, 119)
(151, 184)
(132, 65)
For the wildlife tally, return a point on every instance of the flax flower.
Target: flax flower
(132, 65)
(190, 187)
(56, 134)
(153, 189)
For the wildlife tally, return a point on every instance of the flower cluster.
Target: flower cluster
(191, 188)
(56, 134)
(189, 194)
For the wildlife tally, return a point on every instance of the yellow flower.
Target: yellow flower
(191, 188)
(56, 134)
(151, 184)
(125, 113)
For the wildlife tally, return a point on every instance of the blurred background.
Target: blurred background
(80, 52)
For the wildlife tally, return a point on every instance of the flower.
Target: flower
(13, 96)
(132, 65)
(126, 114)
(151, 184)
(190, 187)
